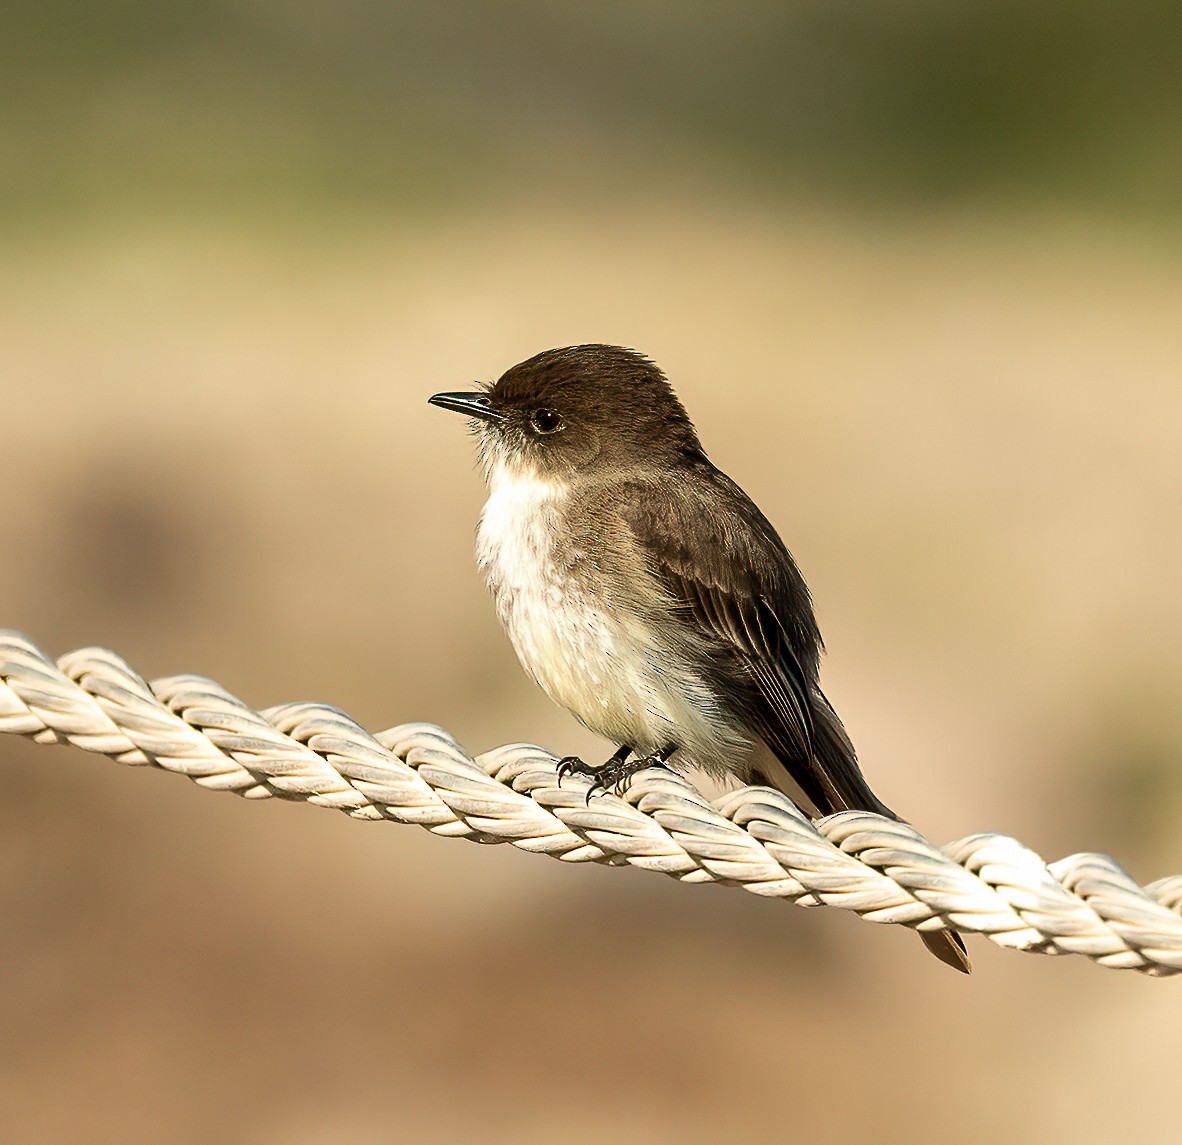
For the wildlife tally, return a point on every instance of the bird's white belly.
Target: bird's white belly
(604, 664)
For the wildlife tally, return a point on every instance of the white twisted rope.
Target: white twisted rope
(754, 837)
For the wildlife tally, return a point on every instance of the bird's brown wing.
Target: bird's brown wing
(730, 571)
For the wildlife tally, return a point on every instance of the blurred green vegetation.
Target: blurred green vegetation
(260, 106)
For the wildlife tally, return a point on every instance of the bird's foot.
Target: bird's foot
(616, 773)
(613, 774)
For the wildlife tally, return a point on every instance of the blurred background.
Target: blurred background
(915, 269)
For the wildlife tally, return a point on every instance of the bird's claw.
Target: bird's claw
(572, 765)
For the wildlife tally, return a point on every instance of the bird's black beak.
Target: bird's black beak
(470, 405)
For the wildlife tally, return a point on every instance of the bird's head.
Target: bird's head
(580, 409)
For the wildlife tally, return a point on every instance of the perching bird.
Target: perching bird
(644, 591)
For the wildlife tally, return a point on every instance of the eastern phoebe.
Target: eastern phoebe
(645, 592)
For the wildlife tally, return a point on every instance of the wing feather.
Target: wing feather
(743, 589)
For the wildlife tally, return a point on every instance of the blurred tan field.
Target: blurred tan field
(960, 406)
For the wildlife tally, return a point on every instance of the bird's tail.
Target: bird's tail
(836, 783)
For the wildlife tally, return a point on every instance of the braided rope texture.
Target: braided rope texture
(754, 837)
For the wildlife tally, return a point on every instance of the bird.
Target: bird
(645, 592)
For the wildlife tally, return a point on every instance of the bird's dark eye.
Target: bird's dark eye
(545, 421)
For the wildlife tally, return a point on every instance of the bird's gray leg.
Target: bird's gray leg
(660, 758)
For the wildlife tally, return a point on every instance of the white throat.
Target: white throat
(517, 526)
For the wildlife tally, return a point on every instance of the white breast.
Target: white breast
(601, 662)
(562, 640)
